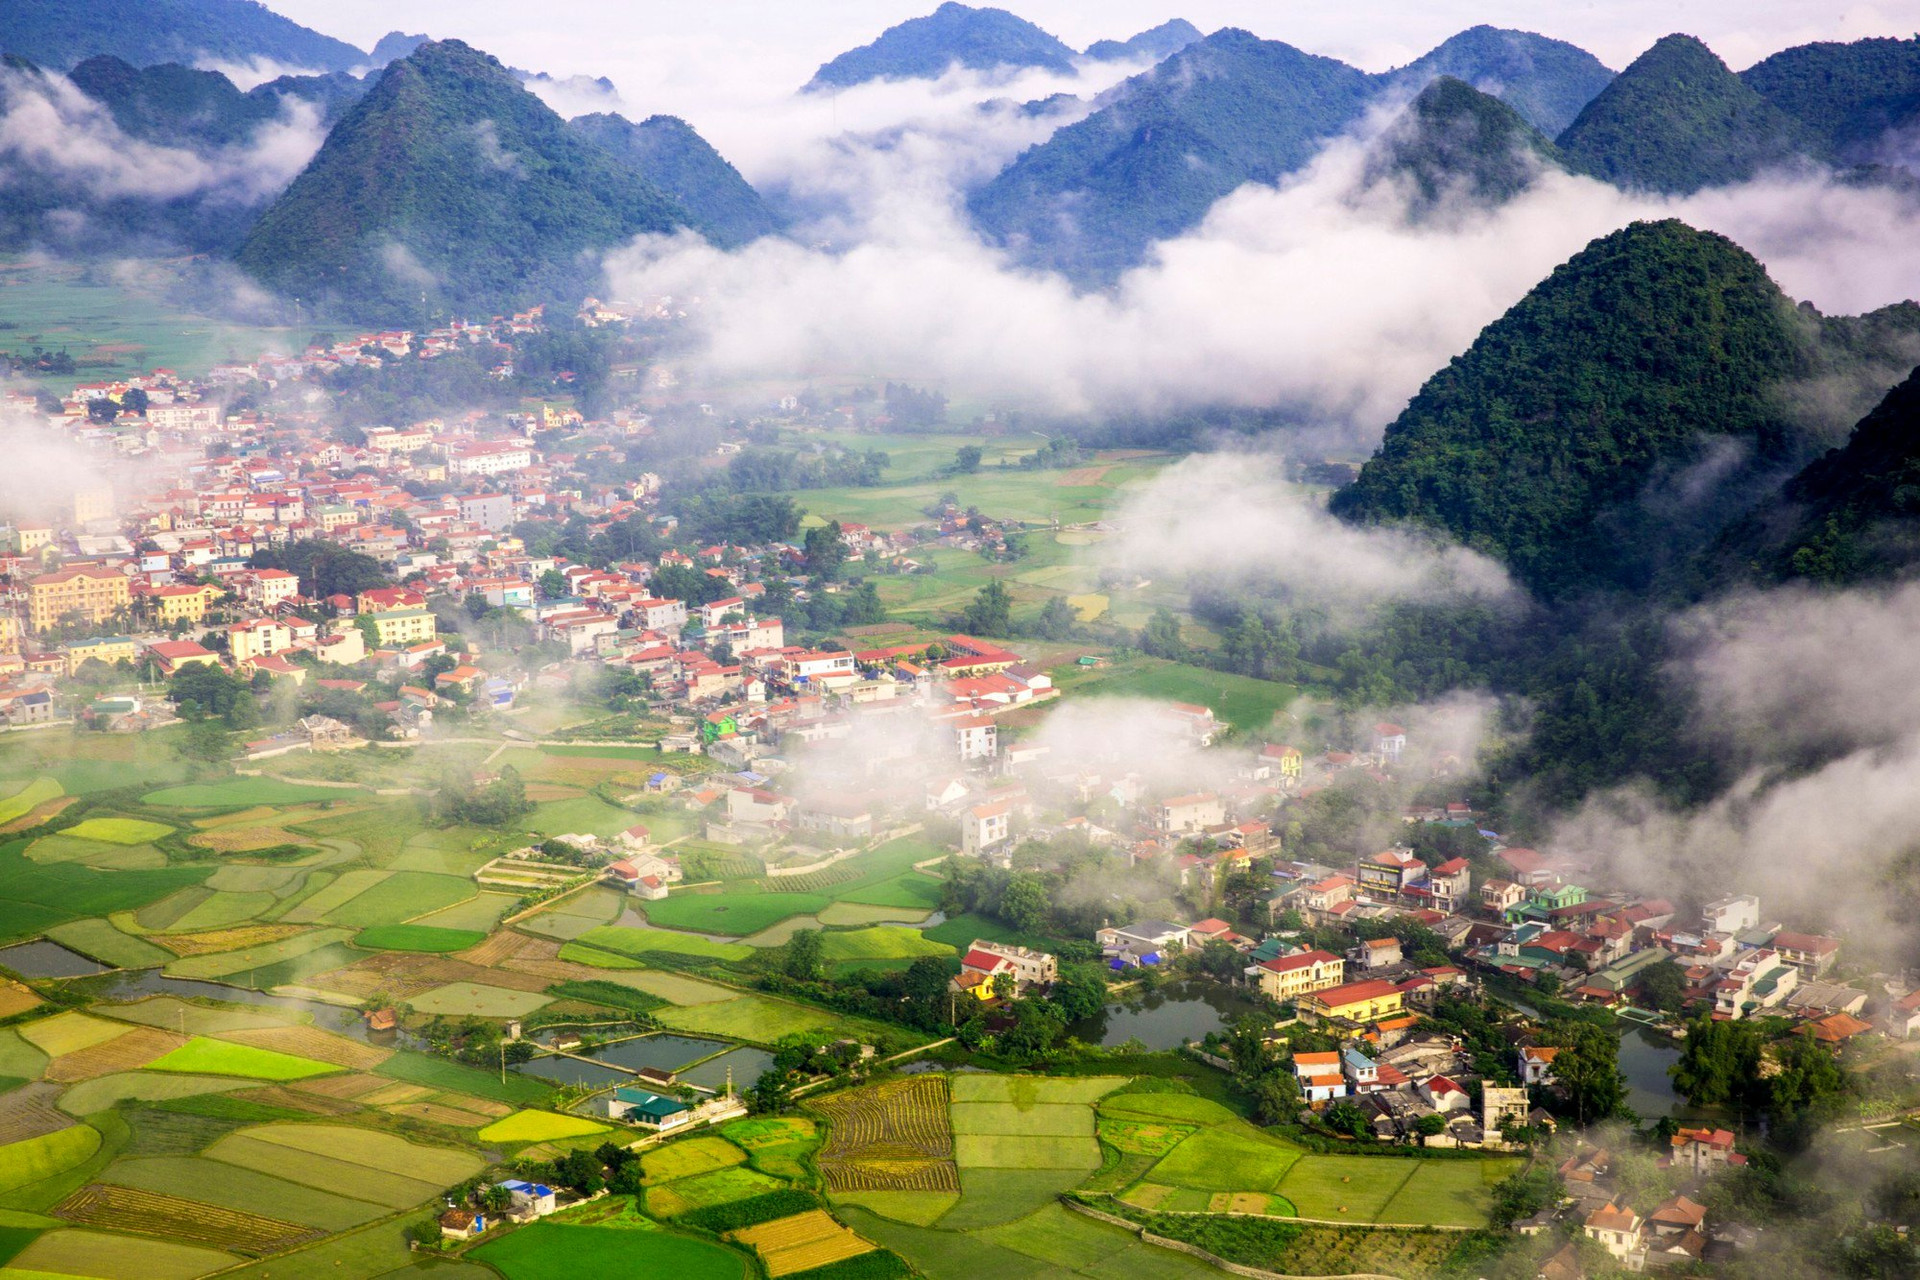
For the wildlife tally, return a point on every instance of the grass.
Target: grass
(584, 814)
(28, 798)
(552, 1251)
(35, 897)
(99, 939)
(241, 793)
(919, 1208)
(459, 998)
(756, 1018)
(704, 1191)
(401, 896)
(116, 1257)
(1244, 702)
(99, 1094)
(37, 1159)
(201, 1056)
(539, 1126)
(619, 941)
(736, 913)
(452, 1077)
(690, 1157)
(417, 937)
(881, 942)
(1226, 1159)
(118, 830)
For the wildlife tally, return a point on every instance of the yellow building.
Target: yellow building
(398, 627)
(257, 639)
(34, 539)
(92, 594)
(181, 603)
(1287, 978)
(91, 504)
(1355, 1002)
(9, 633)
(107, 649)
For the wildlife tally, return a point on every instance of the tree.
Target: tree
(553, 585)
(1025, 904)
(1588, 1068)
(990, 613)
(804, 954)
(966, 459)
(1276, 1097)
(205, 741)
(1344, 1117)
(1080, 992)
(369, 633)
(826, 550)
(1056, 620)
(1663, 985)
(1525, 1193)
(1160, 638)
(1430, 1126)
(1719, 1063)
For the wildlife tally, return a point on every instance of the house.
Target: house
(647, 1110)
(1285, 978)
(1142, 942)
(1028, 967)
(1731, 915)
(1903, 1015)
(1319, 1076)
(1501, 896)
(461, 1224)
(1704, 1150)
(1391, 873)
(1444, 1095)
(1450, 883)
(1809, 952)
(1389, 742)
(1377, 953)
(1362, 1072)
(1536, 1065)
(1675, 1233)
(1189, 815)
(985, 829)
(1353, 1002)
(1618, 1229)
(1502, 1108)
(528, 1199)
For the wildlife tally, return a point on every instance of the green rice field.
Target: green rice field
(201, 1056)
(417, 937)
(553, 1251)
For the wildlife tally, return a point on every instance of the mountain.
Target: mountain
(448, 187)
(923, 48)
(1547, 81)
(172, 105)
(1619, 371)
(394, 46)
(1165, 145)
(1677, 120)
(1846, 96)
(61, 33)
(1454, 144)
(1151, 45)
(1855, 512)
(667, 152)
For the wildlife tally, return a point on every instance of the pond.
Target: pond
(668, 1052)
(746, 1065)
(48, 960)
(1644, 1059)
(574, 1071)
(139, 984)
(1165, 1018)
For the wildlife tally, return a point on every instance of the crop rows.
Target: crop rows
(215, 941)
(894, 1136)
(802, 1242)
(157, 1214)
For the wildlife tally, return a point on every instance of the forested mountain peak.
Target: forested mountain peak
(1547, 81)
(448, 186)
(671, 154)
(1455, 146)
(62, 33)
(1845, 96)
(1677, 120)
(954, 34)
(1155, 43)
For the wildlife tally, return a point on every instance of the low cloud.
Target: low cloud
(255, 71)
(50, 131)
(1234, 516)
(1299, 297)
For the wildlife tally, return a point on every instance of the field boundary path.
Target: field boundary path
(1195, 1251)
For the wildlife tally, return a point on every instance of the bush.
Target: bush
(751, 1212)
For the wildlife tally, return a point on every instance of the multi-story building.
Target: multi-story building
(90, 593)
(395, 628)
(9, 633)
(107, 649)
(182, 602)
(489, 458)
(492, 511)
(1354, 1002)
(266, 588)
(1189, 815)
(660, 615)
(1287, 978)
(257, 638)
(985, 829)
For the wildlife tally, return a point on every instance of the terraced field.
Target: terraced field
(894, 1136)
(169, 1217)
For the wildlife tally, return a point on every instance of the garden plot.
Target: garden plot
(802, 1242)
(155, 1213)
(138, 1048)
(111, 1257)
(893, 1136)
(243, 1190)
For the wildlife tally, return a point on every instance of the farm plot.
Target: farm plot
(757, 1018)
(894, 1136)
(539, 1126)
(1447, 1193)
(100, 940)
(917, 1208)
(75, 1252)
(223, 909)
(736, 913)
(987, 1119)
(1025, 1151)
(479, 1000)
(689, 1158)
(242, 1191)
(596, 945)
(555, 1251)
(879, 943)
(281, 882)
(349, 886)
(314, 1044)
(202, 1056)
(219, 952)
(438, 1074)
(136, 1049)
(103, 855)
(723, 1186)
(393, 1190)
(849, 915)
(171, 1013)
(118, 830)
(802, 1242)
(912, 890)
(29, 1112)
(157, 1214)
(89, 1096)
(773, 1145)
(20, 1058)
(481, 912)
(1030, 1091)
(241, 793)
(1063, 1239)
(417, 937)
(402, 895)
(66, 1033)
(36, 1159)
(1233, 1158)
(16, 998)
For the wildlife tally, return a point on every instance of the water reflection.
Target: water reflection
(1166, 1017)
(48, 960)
